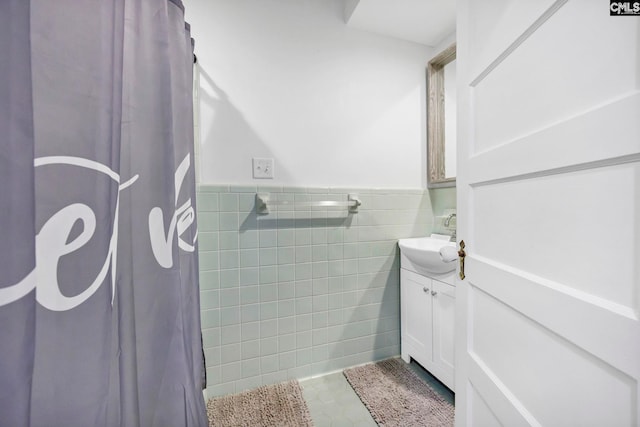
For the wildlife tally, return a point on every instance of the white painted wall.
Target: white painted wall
(287, 79)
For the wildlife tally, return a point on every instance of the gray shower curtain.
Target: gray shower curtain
(99, 299)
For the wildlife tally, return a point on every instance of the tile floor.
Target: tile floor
(332, 402)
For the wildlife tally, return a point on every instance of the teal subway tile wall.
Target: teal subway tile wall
(300, 291)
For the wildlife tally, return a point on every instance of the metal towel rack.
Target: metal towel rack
(263, 202)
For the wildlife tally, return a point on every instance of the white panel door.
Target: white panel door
(549, 205)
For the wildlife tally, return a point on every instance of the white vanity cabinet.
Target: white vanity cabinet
(428, 323)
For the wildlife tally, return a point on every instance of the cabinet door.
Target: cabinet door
(444, 304)
(416, 317)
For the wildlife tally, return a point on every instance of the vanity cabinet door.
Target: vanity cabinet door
(416, 317)
(444, 304)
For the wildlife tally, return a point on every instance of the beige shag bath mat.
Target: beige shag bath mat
(396, 396)
(280, 405)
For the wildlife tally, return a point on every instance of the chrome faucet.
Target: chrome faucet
(447, 223)
(448, 220)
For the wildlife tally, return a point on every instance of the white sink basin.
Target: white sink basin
(425, 253)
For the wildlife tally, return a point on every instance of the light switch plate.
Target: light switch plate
(262, 168)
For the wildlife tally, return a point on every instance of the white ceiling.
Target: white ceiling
(422, 21)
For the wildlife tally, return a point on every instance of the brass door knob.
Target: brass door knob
(461, 255)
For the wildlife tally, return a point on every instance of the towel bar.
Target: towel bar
(263, 201)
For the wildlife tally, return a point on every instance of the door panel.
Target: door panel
(496, 24)
(585, 136)
(552, 377)
(579, 318)
(544, 80)
(580, 213)
(549, 207)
